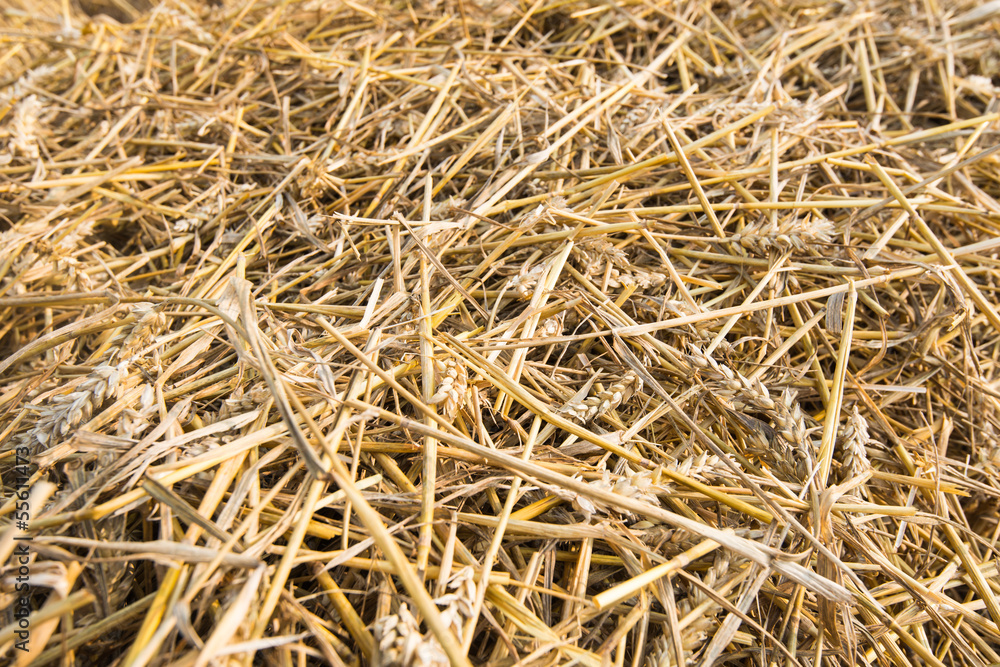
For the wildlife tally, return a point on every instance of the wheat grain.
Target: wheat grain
(399, 643)
(603, 401)
(629, 483)
(24, 127)
(705, 467)
(452, 386)
(149, 324)
(457, 604)
(785, 445)
(551, 326)
(526, 279)
(596, 255)
(132, 422)
(790, 234)
(661, 654)
(65, 412)
(643, 278)
(855, 438)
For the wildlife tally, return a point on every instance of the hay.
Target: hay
(406, 333)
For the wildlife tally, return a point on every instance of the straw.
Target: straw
(483, 332)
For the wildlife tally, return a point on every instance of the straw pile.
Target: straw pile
(639, 333)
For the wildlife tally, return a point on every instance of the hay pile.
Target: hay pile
(639, 333)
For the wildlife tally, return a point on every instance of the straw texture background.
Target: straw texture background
(542, 332)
